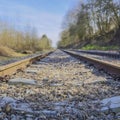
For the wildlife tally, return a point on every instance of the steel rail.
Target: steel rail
(111, 54)
(108, 67)
(13, 67)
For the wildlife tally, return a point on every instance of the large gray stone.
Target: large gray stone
(5, 100)
(112, 104)
(15, 105)
(22, 81)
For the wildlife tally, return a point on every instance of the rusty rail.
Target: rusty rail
(110, 68)
(13, 67)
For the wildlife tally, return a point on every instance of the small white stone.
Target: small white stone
(34, 71)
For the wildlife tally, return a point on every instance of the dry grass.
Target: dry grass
(8, 52)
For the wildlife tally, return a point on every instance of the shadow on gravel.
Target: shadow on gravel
(78, 101)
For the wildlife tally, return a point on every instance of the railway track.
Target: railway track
(13, 67)
(59, 87)
(110, 54)
(102, 63)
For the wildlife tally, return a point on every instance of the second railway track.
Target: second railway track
(101, 63)
(60, 87)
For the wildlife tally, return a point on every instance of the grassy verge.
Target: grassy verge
(95, 47)
(8, 52)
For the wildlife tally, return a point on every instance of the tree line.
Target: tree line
(89, 19)
(23, 40)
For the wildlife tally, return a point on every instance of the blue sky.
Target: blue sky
(45, 15)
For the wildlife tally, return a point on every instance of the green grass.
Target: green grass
(95, 47)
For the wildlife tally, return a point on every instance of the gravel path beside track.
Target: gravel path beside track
(66, 89)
